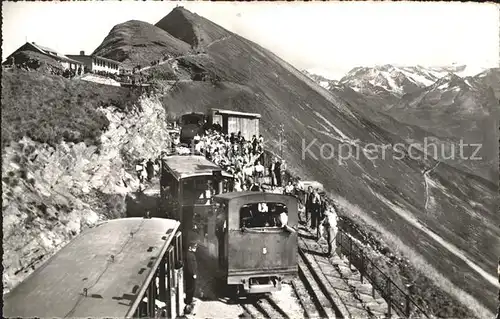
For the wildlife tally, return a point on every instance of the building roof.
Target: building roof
(73, 56)
(114, 286)
(236, 113)
(183, 166)
(47, 51)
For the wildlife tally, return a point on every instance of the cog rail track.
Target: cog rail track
(325, 306)
(265, 307)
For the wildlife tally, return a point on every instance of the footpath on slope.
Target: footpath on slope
(354, 299)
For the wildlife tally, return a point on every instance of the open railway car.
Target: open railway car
(254, 247)
(121, 268)
(228, 121)
(187, 185)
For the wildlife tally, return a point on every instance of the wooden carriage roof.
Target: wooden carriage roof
(114, 284)
(183, 166)
(236, 113)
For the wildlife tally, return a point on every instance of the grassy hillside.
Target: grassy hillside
(138, 43)
(49, 108)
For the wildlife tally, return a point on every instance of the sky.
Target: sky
(327, 38)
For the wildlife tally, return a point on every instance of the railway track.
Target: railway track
(264, 307)
(309, 290)
(346, 299)
(324, 305)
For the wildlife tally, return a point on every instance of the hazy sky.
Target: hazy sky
(329, 38)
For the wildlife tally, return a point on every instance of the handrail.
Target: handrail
(362, 262)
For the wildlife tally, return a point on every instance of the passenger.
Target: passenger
(150, 170)
(284, 176)
(277, 173)
(196, 138)
(289, 189)
(329, 225)
(254, 144)
(237, 186)
(138, 170)
(259, 170)
(209, 192)
(262, 208)
(309, 204)
(256, 187)
(272, 170)
(157, 166)
(315, 211)
(283, 218)
(144, 173)
(191, 273)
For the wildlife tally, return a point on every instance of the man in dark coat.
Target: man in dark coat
(191, 273)
(277, 173)
(308, 208)
(315, 209)
(150, 169)
(272, 169)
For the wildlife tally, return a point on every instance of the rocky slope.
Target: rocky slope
(395, 195)
(51, 193)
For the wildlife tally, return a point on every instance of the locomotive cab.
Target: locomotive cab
(257, 247)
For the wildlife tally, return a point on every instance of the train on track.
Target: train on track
(248, 237)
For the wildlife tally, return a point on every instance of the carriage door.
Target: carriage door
(179, 277)
(221, 229)
(171, 291)
(225, 127)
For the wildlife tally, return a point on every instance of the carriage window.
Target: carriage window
(261, 215)
(191, 119)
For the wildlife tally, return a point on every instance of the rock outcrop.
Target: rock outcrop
(50, 194)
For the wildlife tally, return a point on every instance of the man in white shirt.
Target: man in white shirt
(329, 225)
(259, 171)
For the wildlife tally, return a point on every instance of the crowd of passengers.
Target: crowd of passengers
(243, 159)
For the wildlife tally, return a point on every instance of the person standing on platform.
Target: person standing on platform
(309, 201)
(315, 211)
(272, 169)
(329, 225)
(277, 173)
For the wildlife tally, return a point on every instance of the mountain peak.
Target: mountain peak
(191, 28)
(137, 43)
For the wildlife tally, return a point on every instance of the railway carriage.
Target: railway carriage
(187, 185)
(128, 267)
(255, 240)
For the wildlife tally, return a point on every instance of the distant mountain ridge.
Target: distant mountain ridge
(394, 80)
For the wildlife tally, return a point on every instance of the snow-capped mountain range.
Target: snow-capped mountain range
(392, 80)
(445, 103)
